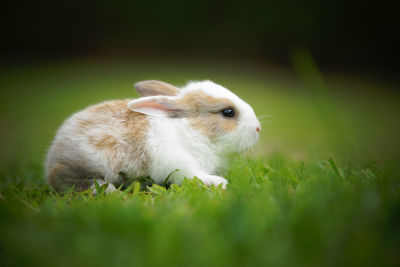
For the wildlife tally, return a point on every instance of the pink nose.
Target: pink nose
(258, 129)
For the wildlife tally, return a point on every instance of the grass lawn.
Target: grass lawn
(321, 188)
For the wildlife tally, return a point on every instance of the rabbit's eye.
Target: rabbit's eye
(228, 112)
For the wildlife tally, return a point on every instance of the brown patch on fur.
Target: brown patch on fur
(203, 113)
(130, 131)
(153, 88)
(105, 141)
(213, 125)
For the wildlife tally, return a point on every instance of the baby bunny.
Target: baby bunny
(189, 130)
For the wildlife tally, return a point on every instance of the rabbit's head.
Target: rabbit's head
(209, 108)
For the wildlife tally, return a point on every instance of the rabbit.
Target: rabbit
(168, 132)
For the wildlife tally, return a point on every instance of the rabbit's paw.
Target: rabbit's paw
(214, 180)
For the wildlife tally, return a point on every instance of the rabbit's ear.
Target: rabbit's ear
(158, 106)
(153, 88)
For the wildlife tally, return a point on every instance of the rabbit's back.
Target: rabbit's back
(101, 141)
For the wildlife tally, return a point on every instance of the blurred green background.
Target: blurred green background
(305, 114)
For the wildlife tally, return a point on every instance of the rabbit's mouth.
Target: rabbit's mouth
(239, 141)
(249, 140)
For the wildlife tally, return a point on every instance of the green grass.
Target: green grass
(322, 187)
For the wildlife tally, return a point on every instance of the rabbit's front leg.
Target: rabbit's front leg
(207, 179)
(179, 165)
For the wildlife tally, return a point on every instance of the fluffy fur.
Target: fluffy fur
(166, 130)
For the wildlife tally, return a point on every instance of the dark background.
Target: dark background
(345, 35)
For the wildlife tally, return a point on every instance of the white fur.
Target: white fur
(173, 144)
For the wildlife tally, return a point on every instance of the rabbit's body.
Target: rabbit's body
(167, 130)
(102, 142)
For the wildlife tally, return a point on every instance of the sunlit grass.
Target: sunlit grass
(319, 214)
